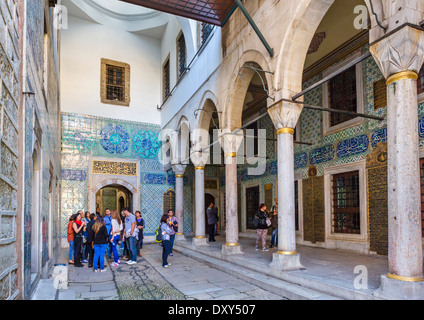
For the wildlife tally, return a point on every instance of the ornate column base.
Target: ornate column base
(200, 242)
(180, 237)
(289, 261)
(230, 249)
(400, 290)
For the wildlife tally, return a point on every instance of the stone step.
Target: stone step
(277, 286)
(332, 289)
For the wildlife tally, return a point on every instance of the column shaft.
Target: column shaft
(286, 207)
(179, 203)
(200, 231)
(405, 234)
(232, 226)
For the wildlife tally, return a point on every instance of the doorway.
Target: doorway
(114, 197)
(35, 216)
(252, 205)
(208, 200)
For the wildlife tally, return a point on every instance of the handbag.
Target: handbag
(255, 222)
(268, 222)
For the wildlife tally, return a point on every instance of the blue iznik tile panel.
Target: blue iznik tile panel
(84, 137)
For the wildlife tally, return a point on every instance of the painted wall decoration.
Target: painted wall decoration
(352, 146)
(115, 139)
(146, 144)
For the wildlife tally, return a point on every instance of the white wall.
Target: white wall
(83, 46)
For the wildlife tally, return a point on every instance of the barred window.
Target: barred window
(346, 203)
(206, 30)
(342, 95)
(422, 193)
(182, 56)
(115, 83)
(166, 80)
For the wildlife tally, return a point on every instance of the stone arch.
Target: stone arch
(296, 41)
(238, 86)
(208, 103)
(183, 140)
(112, 182)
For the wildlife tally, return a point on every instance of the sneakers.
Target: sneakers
(115, 264)
(171, 254)
(256, 249)
(97, 270)
(85, 261)
(265, 250)
(131, 262)
(103, 270)
(166, 267)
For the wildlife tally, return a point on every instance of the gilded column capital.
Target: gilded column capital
(179, 170)
(400, 54)
(285, 116)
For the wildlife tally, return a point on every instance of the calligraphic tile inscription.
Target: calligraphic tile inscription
(115, 168)
(169, 201)
(378, 199)
(313, 209)
(380, 94)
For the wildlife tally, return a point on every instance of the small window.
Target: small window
(205, 32)
(346, 203)
(115, 83)
(166, 80)
(342, 95)
(182, 56)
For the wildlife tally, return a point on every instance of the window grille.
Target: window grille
(346, 203)
(342, 95)
(115, 85)
(206, 30)
(181, 56)
(166, 80)
(296, 204)
(420, 81)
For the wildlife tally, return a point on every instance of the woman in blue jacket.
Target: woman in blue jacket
(166, 237)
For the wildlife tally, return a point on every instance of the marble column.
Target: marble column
(179, 171)
(285, 116)
(400, 57)
(232, 245)
(230, 143)
(200, 221)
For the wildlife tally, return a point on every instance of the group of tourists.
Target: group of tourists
(263, 221)
(91, 236)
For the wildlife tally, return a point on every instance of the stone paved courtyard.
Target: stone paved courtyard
(186, 279)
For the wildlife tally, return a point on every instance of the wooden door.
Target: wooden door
(252, 205)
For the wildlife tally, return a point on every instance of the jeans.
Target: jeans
(77, 250)
(133, 250)
(99, 254)
(71, 250)
(171, 243)
(109, 250)
(165, 252)
(115, 247)
(212, 232)
(274, 238)
(139, 245)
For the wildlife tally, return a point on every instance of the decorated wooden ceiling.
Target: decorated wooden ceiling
(210, 11)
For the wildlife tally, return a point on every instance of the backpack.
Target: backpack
(158, 235)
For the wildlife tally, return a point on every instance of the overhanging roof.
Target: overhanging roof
(214, 12)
